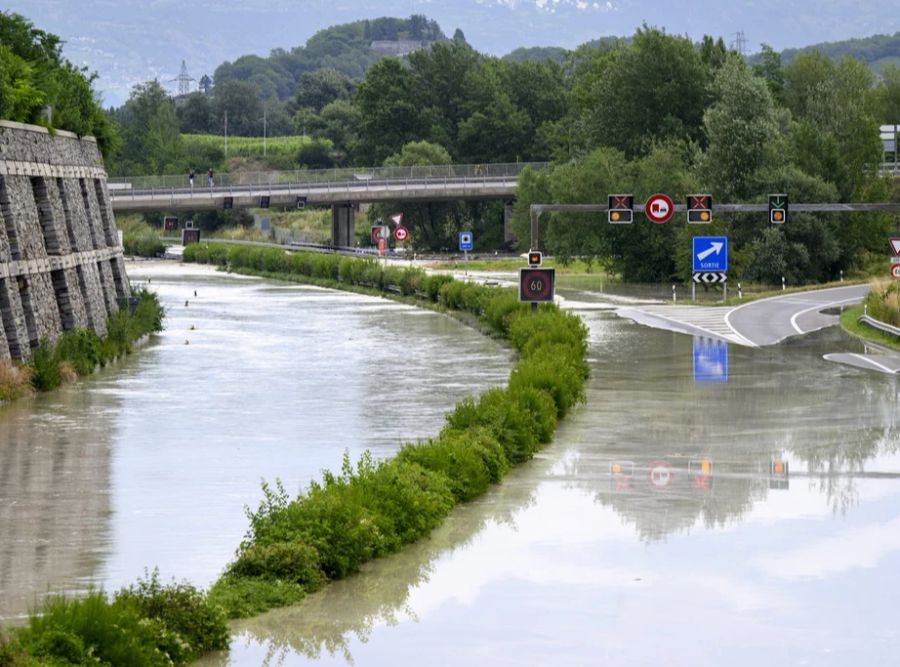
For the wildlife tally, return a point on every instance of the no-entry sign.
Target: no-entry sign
(401, 233)
(659, 208)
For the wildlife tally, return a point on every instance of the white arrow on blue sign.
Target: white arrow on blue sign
(466, 241)
(710, 253)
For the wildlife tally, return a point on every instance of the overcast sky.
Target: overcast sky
(127, 42)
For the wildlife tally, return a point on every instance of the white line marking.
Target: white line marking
(867, 360)
(817, 308)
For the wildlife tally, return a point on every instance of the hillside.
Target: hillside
(345, 48)
(875, 51)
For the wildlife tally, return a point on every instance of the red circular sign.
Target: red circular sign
(659, 208)
(401, 233)
(660, 474)
(895, 270)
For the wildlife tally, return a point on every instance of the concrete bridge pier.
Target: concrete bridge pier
(342, 225)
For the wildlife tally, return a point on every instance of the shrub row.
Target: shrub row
(79, 351)
(374, 508)
(148, 624)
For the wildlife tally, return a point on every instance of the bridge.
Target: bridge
(342, 189)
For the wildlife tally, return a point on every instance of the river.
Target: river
(707, 504)
(150, 462)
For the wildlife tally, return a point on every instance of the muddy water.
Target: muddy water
(707, 505)
(151, 462)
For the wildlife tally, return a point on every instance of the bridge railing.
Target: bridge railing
(128, 185)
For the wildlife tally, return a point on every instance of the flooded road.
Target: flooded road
(151, 462)
(709, 504)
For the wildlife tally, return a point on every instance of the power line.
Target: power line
(184, 80)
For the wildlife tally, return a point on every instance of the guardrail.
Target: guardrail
(126, 185)
(878, 324)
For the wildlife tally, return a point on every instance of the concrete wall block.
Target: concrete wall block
(108, 284)
(53, 197)
(77, 300)
(25, 217)
(46, 312)
(13, 316)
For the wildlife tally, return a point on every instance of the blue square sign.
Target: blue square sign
(710, 253)
(466, 241)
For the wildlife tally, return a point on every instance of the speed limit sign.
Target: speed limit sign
(536, 285)
(401, 233)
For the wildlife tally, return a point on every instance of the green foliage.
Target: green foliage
(289, 561)
(37, 85)
(83, 350)
(45, 371)
(151, 143)
(92, 629)
(883, 302)
(242, 597)
(139, 238)
(182, 610)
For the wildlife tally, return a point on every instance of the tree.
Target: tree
(151, 140)
(321, 87)
(887, 95)
(38, 85)
(195, 114)
(740, 128)
(655, 88)
(240, 100)
(391, 112)
(206, 84)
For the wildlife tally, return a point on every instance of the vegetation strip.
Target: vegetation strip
(370, 509)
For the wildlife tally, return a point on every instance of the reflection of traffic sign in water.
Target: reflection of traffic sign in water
(710, 360)
(660, 474)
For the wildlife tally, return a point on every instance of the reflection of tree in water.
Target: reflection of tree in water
(646, 408)
(326, 621)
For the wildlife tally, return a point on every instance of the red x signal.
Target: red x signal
(699, 201)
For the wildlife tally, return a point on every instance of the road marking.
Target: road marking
(868, 360)
(818, 307)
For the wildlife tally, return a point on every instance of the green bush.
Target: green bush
(45, 373)
(470, 460)
(182, 610)
(242, 597)
(290, 561)
(91, 629)
(81, 348)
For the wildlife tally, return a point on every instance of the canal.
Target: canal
(708, 504)
(150, 463)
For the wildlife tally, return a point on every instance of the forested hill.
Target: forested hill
(875, 51)
(345, 48)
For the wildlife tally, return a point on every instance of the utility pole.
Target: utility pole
(226, 134)
(740, 42)
(264, 132)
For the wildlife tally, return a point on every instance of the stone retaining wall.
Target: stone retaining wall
(61, 265)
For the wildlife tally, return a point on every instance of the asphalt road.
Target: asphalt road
(769, 321)
(756, 323)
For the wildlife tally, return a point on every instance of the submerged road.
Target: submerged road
(767, 322)
(754, 324)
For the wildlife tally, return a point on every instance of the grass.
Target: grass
(851, 324)
(247, 146)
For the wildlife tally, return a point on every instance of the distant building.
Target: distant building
(399, 47)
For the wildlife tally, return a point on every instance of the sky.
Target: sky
(127, 42)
